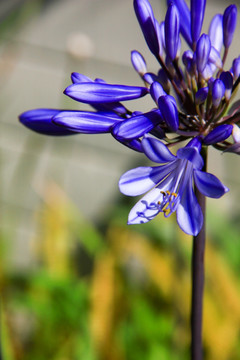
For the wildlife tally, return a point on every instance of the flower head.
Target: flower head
(171, 185)
(191, 101)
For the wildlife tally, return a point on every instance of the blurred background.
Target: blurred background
(75, 281)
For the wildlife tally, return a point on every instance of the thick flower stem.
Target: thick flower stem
(198, 280)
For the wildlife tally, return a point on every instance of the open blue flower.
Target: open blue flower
(170, 185)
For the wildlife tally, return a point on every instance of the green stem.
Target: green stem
(198, 279)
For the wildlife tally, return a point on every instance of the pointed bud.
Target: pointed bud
(201, 95)
(156, 90)
(40, 121)
(227, 80)
(236, 68)
(218, 90)
(215, 32)
(146, 21)
(138, 62)
(172, 27)
(103, 93)
(197, 16)
(202, 52)
(219, 134)
(229, 24)
(168, 108)
(185, 19)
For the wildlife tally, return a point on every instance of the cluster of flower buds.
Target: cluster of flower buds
(191, 93)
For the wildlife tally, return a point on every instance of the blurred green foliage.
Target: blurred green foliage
(117, 292)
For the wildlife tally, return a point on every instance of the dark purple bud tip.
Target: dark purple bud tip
(229, 24)
(146, 20)
(40, 121)
(201, 95)
(219, 134)
(236, 68)
(202, 52)
(172, 27)
(227, 80)
(79, 78)
(218, 90)
(168, 109)
(138, 62)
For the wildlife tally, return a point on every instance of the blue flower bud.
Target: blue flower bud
(138, 62)
(227, 80)
(229, 24)
(197, 16)
(168, 108)
(185, 19)
(236, 68)
(172, 27)
(156, 90)
(137, 125)
(219, 134)
(146, 20)
(215, 32)
(202, 52)
(103, 93)
(218, 90)
(201, 95)
(40, 121)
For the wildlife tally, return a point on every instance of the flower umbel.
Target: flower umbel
(192, 95)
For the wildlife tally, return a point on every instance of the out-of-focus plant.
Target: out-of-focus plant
(113, 293)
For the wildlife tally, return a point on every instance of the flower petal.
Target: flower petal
(89, 92)
(86, 122)
(209, 185)
(191, 154)
(157, 151)
(189, 213)
(40, 120)
(146, 208)
(139, 180)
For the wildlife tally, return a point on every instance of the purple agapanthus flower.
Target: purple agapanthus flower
(191, 98)
(171, 185)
